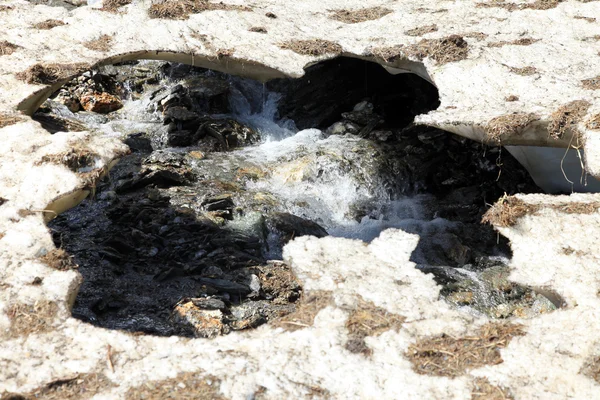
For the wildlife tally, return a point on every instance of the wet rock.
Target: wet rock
(166, 159)
(284, 227)
(68, 100)
(343, 128)
(209, 94)
(491, 293)
(208, 303)
(228, 133)
(139, 142)
(180, 138)
(162, 178)
(178, 113)
(222, 202)
(102, 103)
(224, 285)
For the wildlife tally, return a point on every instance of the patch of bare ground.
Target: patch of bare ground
(31, 318)
(357, 16)
(565, 119)
(182, 9)
(508, 125)
(185, 386)
(5, 8)
(517, 42)
(591, 83)
(524, 71)
(80, 387)
(114, 5)
(536, 5)
(449, 356)
(9, 119)
(484, 390)
(73, 158)
(59, 260)
(307, 309)
(48, 74)
(258, 29)
(48, 24)
(421, 30)
(507, 211)
(591, 368)
(593, 122)
(366, 319)
(7, 48)
(312, 47)
(103, 43)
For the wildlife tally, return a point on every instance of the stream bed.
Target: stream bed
(186, 236)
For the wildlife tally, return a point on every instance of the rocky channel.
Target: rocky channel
(185, 237)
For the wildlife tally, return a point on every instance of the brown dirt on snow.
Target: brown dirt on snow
(366, 319)
(508, 125)
(80, 387)
(258, 29)
(524, 71)
(421, 30)
(182, 9)
(357, 16)
(7, 48)
(73, 158)
(507, 211)
(449, 49)
(484, 390)
(591, 368)
(449, 356)
(185, 386)
(591, 83)
(518, 42)
(48, 74)
(444, 50)
(59, 260)
(103, 43)
(48, 24)
(31, 318)
(593, 122)
(565, 119)
(313, 47)
(10, 119)
(536, 5)
(307, 309)
(114, 5)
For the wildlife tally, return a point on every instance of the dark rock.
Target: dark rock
(178, 113)
(139, 142)
(180, 138)
(223, 202)
(166, 159)
(208, 303)
(162, 178)
(225, 285)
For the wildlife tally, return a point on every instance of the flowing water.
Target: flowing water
(352, 186)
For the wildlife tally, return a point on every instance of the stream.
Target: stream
(187, 234)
